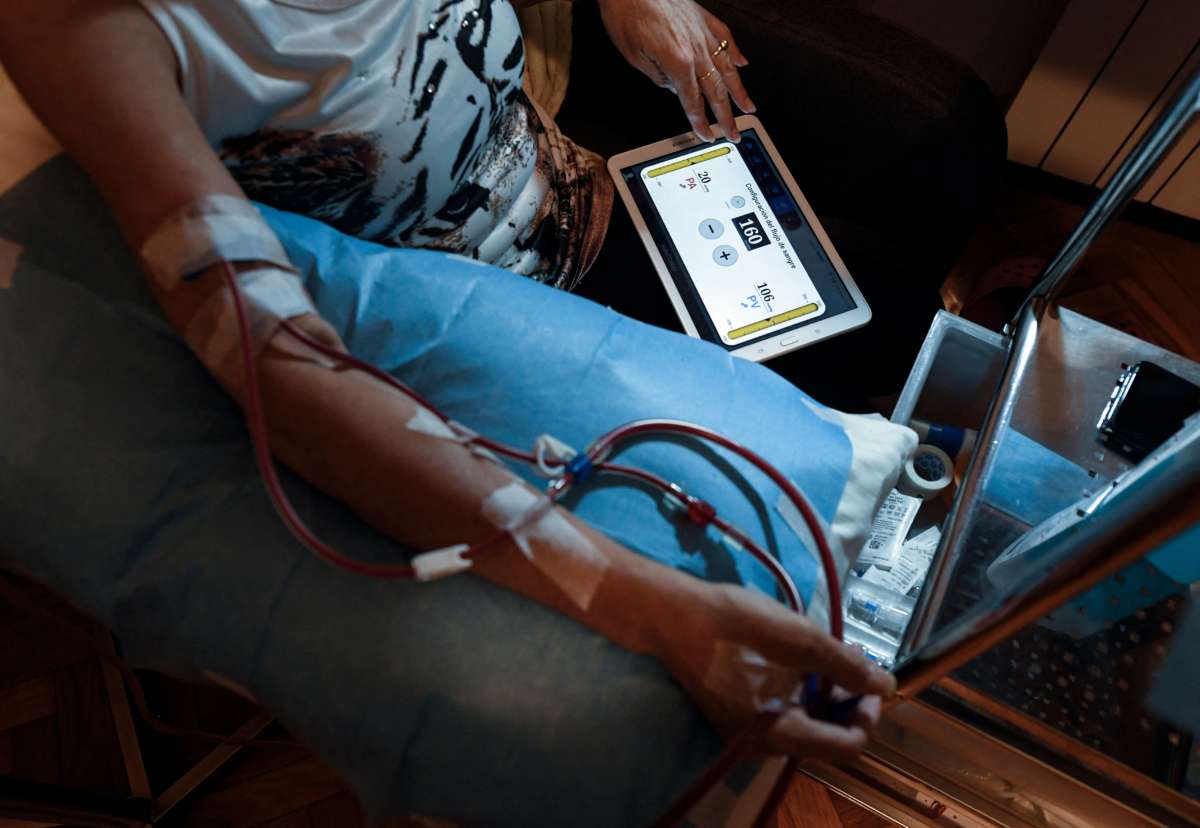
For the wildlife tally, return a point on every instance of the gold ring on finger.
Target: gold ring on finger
(721, 47)
(707, 74)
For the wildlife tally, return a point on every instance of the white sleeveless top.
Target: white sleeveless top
(398, 121)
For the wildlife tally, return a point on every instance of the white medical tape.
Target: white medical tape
(202, 234)
(484, 453)
(467, 436)
(464, 434)
(428, 423)
(741, 675)
(10, 253)
(275, 292)
(926, 473)
(269, 295)
(570, 560)
(222, 228)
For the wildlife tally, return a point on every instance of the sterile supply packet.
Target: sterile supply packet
(888, 530)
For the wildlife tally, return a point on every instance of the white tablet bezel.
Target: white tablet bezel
(772, 345)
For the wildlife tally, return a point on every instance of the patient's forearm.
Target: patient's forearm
(347, 433)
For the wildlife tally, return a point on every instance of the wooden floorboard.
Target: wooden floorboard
(56, 725)
(807, 805)
(257, 760)
(35, 752)
(87, 738)
(342, 809)
(28, 649)
(183, 705)
(26, 702)
(175, 702)
(1152, 276)
(853, 815)
(265, 797)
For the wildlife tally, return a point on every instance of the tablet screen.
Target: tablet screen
(743, 257)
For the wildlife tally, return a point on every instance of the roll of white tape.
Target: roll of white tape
(926, 473)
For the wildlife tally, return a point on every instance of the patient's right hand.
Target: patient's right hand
(737, 652)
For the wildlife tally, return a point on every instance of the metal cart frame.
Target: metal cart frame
(920, 769)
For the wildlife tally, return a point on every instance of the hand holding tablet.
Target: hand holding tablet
(744, 260)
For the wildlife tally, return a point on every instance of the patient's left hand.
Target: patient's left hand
(672, 42)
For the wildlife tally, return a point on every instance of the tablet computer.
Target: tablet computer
(736, 245)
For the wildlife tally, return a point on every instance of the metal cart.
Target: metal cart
(1026, 703)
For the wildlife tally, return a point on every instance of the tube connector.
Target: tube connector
(700, 512)
(440, 563)
(580, 468)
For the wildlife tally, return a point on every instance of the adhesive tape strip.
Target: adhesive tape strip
(564, 555)
(275, 293)
(214, 229)
(926, 473)
(426, 422)
(741, 675)
(270, 295)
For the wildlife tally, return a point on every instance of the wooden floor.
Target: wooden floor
(55, 723)
(56, 727)
(809, 804)
(1142, 280)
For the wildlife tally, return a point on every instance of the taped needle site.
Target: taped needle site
(520, 516)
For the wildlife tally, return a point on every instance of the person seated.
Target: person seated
(407, 124)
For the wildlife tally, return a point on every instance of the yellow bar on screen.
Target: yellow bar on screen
(771, 321)
(687, 162)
